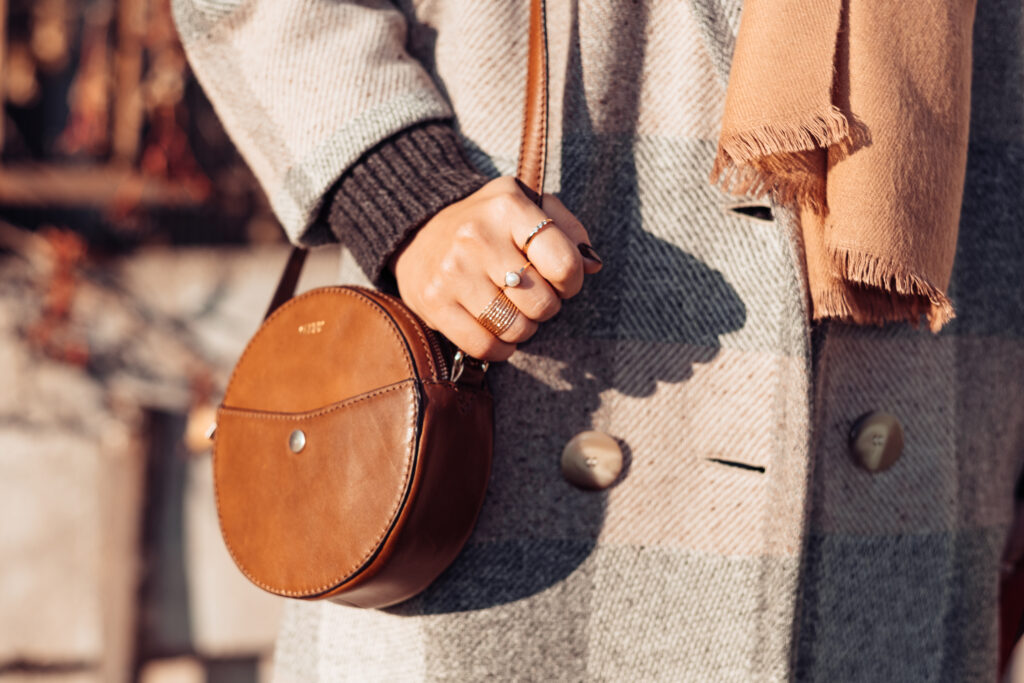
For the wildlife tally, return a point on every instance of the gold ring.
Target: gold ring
(540, 226)
(499, 315)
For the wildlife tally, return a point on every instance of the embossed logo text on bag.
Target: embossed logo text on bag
(315, 327)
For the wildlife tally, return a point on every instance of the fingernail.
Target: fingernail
(589, 253)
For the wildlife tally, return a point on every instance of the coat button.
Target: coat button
(591, 460)
(876, 440)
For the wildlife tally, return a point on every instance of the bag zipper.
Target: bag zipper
(441, 362)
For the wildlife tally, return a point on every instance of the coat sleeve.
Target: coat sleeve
(305, 88)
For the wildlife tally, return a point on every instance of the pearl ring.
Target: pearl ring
(514, 277)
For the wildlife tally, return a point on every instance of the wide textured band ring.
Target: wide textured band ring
(540, 226)
(499, 315)
(514, 277)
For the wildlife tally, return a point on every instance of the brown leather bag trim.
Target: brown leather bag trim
(411, 474)
(393, 578)
(397, 508)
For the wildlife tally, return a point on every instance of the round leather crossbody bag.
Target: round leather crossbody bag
(352, 450)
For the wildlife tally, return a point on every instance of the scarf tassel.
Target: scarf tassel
(875, 291)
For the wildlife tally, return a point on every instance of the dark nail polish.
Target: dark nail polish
(588, 252)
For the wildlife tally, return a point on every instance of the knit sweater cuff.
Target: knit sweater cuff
(394, 189)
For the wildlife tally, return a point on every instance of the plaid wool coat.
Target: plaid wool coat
(743, 542)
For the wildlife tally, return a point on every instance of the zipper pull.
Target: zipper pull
(463, 362)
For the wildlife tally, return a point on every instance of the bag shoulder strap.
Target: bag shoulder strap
(532, 148)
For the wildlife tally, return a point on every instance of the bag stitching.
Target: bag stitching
(348, 291)
(264, 415)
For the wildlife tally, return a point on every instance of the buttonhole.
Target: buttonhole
(753, 211)
(741, 465)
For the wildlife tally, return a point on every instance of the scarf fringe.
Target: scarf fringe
(876, 291)
(816, 131)
(781, 161)
(776, 160)
(784, 185)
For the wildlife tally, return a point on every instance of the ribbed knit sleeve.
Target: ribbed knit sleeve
(394, 189)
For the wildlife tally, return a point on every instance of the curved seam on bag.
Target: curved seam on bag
(334, 583)
(423, 340)
(269, 415)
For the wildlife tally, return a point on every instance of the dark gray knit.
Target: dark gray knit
(394, 189)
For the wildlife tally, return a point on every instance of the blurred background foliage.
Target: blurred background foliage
(106, 133)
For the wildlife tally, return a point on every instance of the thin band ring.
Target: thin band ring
(540, 226)
(499, 315)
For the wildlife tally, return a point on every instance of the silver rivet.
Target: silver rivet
(297, 441)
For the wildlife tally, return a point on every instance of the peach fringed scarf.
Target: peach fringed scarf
(856, 111)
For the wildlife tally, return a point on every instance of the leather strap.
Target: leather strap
(532, 148)
(289, 280)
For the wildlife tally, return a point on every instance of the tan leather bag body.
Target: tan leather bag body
(353, 446)
(346, 462)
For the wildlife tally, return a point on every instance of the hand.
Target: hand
(456, 262)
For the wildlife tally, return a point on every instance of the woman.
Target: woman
(750, 535)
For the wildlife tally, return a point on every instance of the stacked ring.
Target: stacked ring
(499, 315)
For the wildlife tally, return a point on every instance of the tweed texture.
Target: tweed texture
(263, 64)
(741, 543)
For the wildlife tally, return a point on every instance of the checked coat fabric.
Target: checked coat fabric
(743, 542)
